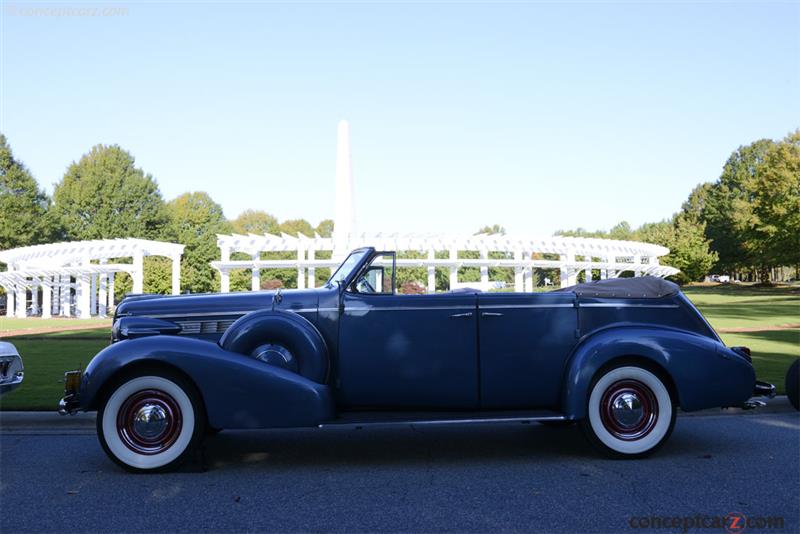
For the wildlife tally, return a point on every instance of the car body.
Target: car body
(12, 371)
(618, 356)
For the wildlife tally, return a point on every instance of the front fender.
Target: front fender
(238, 391)
(705, 373)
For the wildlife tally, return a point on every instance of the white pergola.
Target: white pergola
(575, 254)
(78, 273)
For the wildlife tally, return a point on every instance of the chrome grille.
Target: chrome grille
(194, 327)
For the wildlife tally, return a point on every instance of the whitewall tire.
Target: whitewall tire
(630, 412)
(151, 421)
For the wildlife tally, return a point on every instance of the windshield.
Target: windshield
(347, 266)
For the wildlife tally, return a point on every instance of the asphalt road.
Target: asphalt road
(524, 478)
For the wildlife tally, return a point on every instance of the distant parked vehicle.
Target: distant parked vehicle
(11, 370)
(720, 278)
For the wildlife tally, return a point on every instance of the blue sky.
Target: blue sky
(536, 116)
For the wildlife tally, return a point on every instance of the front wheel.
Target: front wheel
(630, 412)
(151, 421)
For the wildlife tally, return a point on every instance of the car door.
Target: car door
(525, 340)
(408, 351)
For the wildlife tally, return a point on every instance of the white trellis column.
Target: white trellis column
(84, 298)
(312, 272)
(138, 272)
(527, 273)
(453, 268)
(110, 290)
(176, 274)
(93, 294)
(10, 294)
(22, 300)
(102, 296)
(484, 269)
(611, 273)
(34, 296)
(588, 272)
(637, 262)
(56, 294)
(224, 275)
(519, 277)
(301, 271)
(431, 272)
(568, 273)
(47, 298)
(66, 295)
(255, 276)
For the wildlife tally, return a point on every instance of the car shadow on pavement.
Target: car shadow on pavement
(406, 445)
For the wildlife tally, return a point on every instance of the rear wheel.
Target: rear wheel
(793, 384)
(630, 412)
(151, 421)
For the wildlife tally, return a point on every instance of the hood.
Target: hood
(209, 304)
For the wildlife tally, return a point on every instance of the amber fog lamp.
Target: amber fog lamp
(72, 381)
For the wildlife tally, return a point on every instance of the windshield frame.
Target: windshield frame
(360, 254)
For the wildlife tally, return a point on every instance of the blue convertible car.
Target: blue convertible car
(616, 356)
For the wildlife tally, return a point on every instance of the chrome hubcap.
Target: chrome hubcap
(149, 422)
(629, 410)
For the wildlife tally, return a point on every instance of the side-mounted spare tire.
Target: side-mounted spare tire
(280, 338)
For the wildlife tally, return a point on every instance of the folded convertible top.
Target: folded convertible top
(644, 287)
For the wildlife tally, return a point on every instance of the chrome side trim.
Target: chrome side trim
(625, 305)
(407, 308)
(190, 315)
(523, 306)
(431, 422)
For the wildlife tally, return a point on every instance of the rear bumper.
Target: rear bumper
(761, 391)
(764, 389)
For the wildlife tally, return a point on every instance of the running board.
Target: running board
(372, 419)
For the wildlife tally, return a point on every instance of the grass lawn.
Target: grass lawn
(731, 306)
(47, 356)
(9, 324)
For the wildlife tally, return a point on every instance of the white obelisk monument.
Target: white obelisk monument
(344, 223)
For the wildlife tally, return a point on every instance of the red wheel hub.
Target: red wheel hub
(149, 422)
(629, 409)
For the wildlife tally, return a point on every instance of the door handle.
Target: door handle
(465, 314)
(491, 314)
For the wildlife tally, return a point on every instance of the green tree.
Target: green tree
(24, 208)
(776, 207)
(325, 228)
(195, 220)
(731, 224)
(689, 249)
(493, 229)
(621, 231)
(297, 226)
(255, 222)
(104, 195)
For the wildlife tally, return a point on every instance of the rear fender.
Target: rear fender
(704, 372)
(238, 391)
